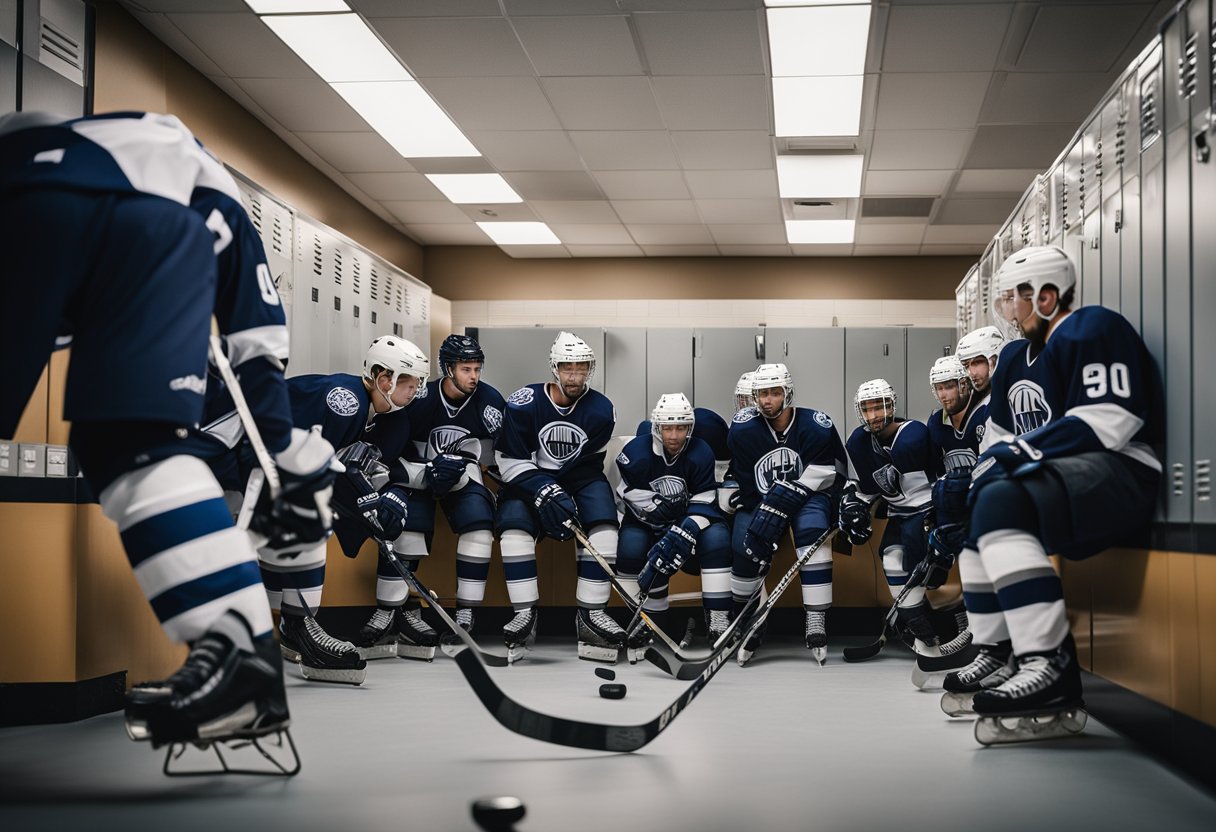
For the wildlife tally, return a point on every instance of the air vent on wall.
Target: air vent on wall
(60, 49)
(897, 206)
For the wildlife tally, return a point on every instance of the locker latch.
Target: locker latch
(1203, 150)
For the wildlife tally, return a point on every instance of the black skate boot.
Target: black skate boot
(321, 657)
(752, 643)
(415, 638)
(464, 617)
(377, 639)
(1040, 701)
(956, 653)
(716, 623)
(817, 635)
(917, 631)
(520, 634)
(992, 665)
(600, 638)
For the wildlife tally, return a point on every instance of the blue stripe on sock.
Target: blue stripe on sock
(472, 570)
(306, 579)
(273, 581)
(981, 602)
(173, 528)
(183, 597)
(591, 570)
(815, 577)
(519, 570)
(1042, 590)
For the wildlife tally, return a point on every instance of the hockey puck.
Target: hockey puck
(605, 673)
(612, 691)
(498, 814)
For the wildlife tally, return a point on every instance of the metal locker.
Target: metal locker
(518, 356)
(816, 360)
(1130, 224)
(968, 311)
(720, 356)
(875, 353)
(669, 367)
(1089, 205)
(342, 334)
(421, 320)
(1072, 236)
(925, 345)
(624, 363)
(312, 274)
(1202, 17)
(1058, 195)
(1110, 186)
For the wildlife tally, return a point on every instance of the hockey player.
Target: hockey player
(453, 423)
(550, 455)
(978, 351)
(789, 462)
(672, 520)
(111, 227)
(1068, 468)
(743, 391)
(893, 461)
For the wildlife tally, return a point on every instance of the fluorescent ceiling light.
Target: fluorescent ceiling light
(778, 3)
(834, 175)
(338, 47)
(296, 6)
(823, 40)
(407, 117)
(817, 106)
(520, 233)
(474, 187)
(819, 231)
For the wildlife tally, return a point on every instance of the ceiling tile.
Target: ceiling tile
(527, 149)
(885, 251)
(174, 38)
(395, 186)
(575, 212)
(522, 8)
(732, 184)
(448, 234)
(918, 149)
(680, 251)
(486, 103)
(984, 211)
(1054, 45)
(303, 104)
(642, 184)
(739, 211)
(655, 211)
(452, 164)
(724, 149)
(579, 45)
(670, 234)
(906, 182)
(1018, 145)
(604, 251)
(356, 152)
(426, 212)
(500, 212)
(702, 43)
(959, 234)
(995, 181)
(614, 234)
(457, 46)
(1044, 97)
(535, 252)
(554, 185)
(427, 8)
(927, 250)
(713, 102)
(241, 45)
(625, 150)
(748, 234)
(604, 103)
(194, 5)
(887, 233)
(755, 251)
(923, 101)
(837, 250)
(939, 38)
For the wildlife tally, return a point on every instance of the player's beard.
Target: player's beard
(1036, 334)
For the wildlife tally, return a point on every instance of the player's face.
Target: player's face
(876, 414)
(742, 401)
(406, 389)
(948, 396)
(572, 376)
(674, 437)
(465, 375)
(1023, 310)
(770, 400)
(980, 370)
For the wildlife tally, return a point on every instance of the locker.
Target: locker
(518, 356)
(1058, 196)
(877, 352)
(625, 376)
(720, 356)
(1089, 204)
(311, 265)
(1202, 18)
(925, 345)
(669, 367)
(816, 360)
(1130, 226)
(1110, 182)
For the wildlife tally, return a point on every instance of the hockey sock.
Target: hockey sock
(983, 608)
(897, 577)
(519, 564)
(816, 576)
(1028, 589)
(473, 566)
(593, 588)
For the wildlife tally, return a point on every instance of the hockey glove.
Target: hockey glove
(854, 517)
(1003, 460)
(391, 511)
(771, 520)
(355, 493)
(950, 497)
(945, 542)
(300, 517)
(667, 509)
(670, 553)
(728, 497)
(555, 508)
(444, 472)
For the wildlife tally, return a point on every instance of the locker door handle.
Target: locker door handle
(886, 349)
(1203, 150)
(759, 347)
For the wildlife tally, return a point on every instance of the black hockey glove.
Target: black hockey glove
(300, 518)
(555, 508)
(667, 509)
(950, 497)
(669, 553)
(854, 516)
(772, 518)
(355, 493)
(443, 473)
(391, 511)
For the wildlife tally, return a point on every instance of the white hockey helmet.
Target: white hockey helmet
(671, 409)
(1038, 266)
(767, 376)
(400, 357)
(949, 368)
(875, 389)
(569, 348)
(986, 341)
(743, 391)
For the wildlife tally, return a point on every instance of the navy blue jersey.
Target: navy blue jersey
(645, 473)
(901, 473)
(955, 449)
(339, 403)
(809, 451)
(1092, 387)
(468, 427)
(711, 429)
(541, 442)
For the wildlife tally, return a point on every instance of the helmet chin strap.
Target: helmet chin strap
(393, 407)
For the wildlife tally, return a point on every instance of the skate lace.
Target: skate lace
(816, 622)
(719, 620)
(1034, 674)
(604, 621)
(518, 624)
(323, 639)
(957, 643)
(464, 618)
(204, 657)
(414, 618)
(981, 666)
(381, 619)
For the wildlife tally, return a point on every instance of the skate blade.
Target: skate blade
(275, 753)
(636, 654)
(744, 656)
(138, 730)
(348, 676)
(922, 649)
(290, 655)
(596, 653)
(958, 704)
(923, 679)
(415, 652)
(1014, 728)
(820, 655)
(387, 650)
(516, 653)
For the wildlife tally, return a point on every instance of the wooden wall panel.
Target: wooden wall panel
(32, 427)
(37, 592)
(1205, 607)
(1131, 621)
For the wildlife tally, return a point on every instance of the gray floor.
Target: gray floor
(780, 744)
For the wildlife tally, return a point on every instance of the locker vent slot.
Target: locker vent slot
(1212, 61)
(60, 44)
(374, 286)
(1188, 67)
(1150, 127)
(317, 256)
(400, 297)
(276, 235)
(255, 212)
(1203, 479)
(1121, 139)
(337, 268)
(354, 279)
(1178, 479)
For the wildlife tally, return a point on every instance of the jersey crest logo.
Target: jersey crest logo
(669, 486)
(446, 439)
(492, 417)
(887, 480)
(622, 459)
(777, 465)
(979, 433)
(342, 401)
(423, 391)
(744, 415)
(561, 441)
(959, 459)
(823, 419)
(1029, 406)
(521, 397)
(193, 383)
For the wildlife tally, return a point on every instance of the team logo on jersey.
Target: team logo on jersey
(960, 459)
(195, 384)
(446, 439)
(745, 415)
(521, 397)
(561, 441)
(887, 480)
(622, 459)
(492, 417)
(669, 486)
(823, 419)
(1029, 406)
(423, 392)
(778, 464)
(342, 401)
(979, 433)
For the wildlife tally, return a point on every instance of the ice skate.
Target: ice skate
(991, 666)
(322, 658)
(638, 639)
(1042, 700)
(520, 634)
(956, 654)
(917, 631)
(600, 638)
(817, 635)
(716, 623)
(415, 638)
(464, 618)
(377, 639)
(752, 643)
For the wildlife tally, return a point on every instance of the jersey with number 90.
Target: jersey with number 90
(1093, 387)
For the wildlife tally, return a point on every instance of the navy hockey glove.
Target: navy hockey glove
(1003, 460)
(854, 516)
(443, 473)
(772, 518)
(945, 542)
(555, 508)
(667, 509)
(300, 518)
(670, 553)
(391, 511)
(950, 497)
(355, 492)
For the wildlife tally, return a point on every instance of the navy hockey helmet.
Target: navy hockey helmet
(458, 348)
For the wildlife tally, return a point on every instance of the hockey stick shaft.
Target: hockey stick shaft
(270, 470)
(869, 651)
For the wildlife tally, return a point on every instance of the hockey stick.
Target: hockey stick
(269, 470)
(869, 651)
(741, 628)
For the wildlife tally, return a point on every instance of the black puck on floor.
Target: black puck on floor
(605, 673)
(498, 814)
(612, 691)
